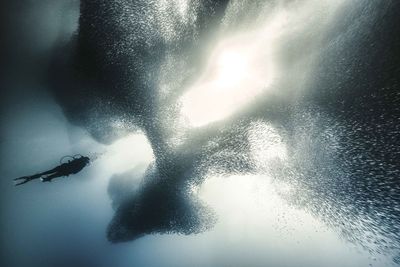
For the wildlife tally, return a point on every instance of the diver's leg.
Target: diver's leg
(49, 171)
(50, 177)
(38, 175)
(26, 179)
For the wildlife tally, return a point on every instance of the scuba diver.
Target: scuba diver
(73, 166)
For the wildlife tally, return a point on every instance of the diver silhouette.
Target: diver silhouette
(64, 169)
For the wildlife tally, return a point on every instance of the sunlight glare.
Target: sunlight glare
(233, 78)
(127, 153)
(232, 68)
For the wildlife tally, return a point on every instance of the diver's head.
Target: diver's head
(86, 159)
